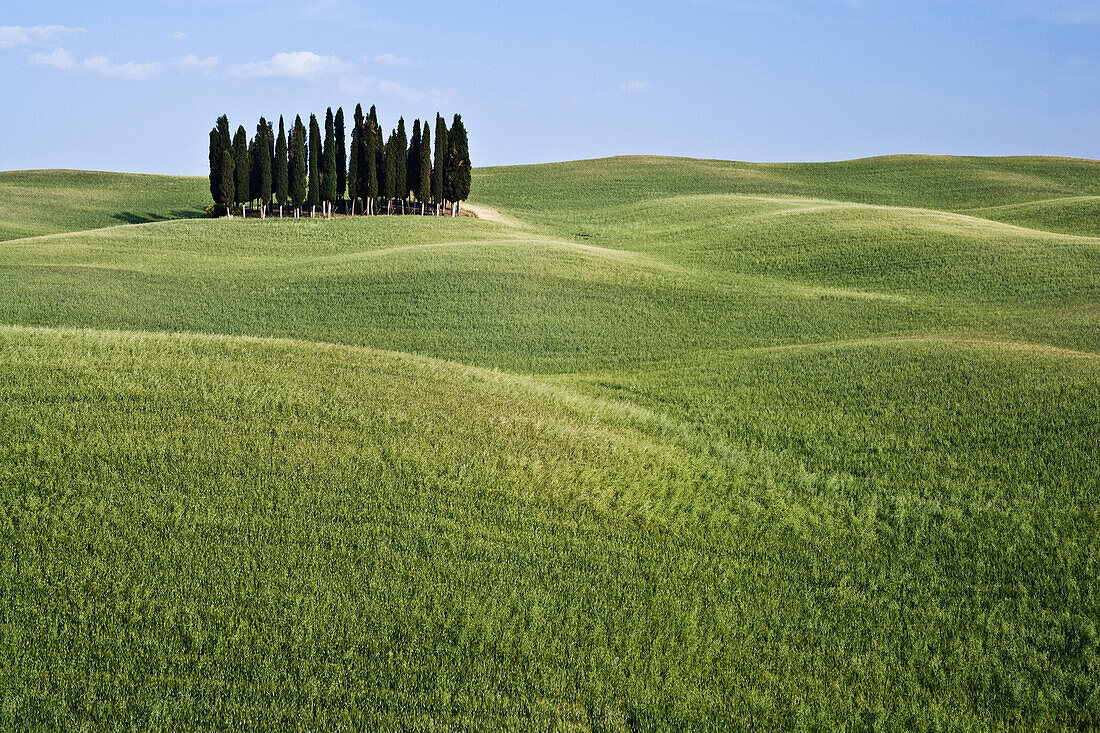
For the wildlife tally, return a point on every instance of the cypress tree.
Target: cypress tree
(215, 157)
(298, 161)
(242, 164)
(392, 153)
(219, 143)
(379, 148)
(401, 161)
(226, 183)
(263, 177)
(328, 163)
(456, 178)
(412, 167)
(282, 176)
(313, 197)
(353, 168)
(440, 159)
(424, 169)
(368, 166)
(341, 155)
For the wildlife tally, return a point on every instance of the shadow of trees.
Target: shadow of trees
(132, 217)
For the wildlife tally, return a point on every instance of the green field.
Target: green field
(672, 444)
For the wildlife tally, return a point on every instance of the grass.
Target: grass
(33, 203)
(694, 445)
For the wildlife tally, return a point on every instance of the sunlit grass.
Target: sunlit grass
(698, 445)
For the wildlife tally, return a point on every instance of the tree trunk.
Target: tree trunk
(458, 208)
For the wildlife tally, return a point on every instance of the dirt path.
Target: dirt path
(490, 214)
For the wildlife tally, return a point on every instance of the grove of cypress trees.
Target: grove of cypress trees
(242, 164)
(412, 167)
(456, 178)
(298, 162)
(282, 175)
(424, 169)
(440, 160)
(328, 164)
(226, 191)
(313, 197)
(341, 155)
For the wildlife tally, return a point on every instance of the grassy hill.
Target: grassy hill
(677, 443)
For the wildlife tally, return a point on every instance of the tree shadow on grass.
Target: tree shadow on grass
(130, 217)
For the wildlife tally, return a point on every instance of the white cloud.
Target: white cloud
(1062, 12)
(393, 62)
(61, 59)
(102, 66)
(191, 61)
(179, 36)
(295, 65)
(394, 89)
(14, 35)
(635, 86)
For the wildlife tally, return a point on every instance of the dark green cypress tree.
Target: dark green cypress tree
(242, 164)
(341, 155)
(440, 159)
(456, 178)
(219, 143)
(379, 148)
(215, 157)
(368, 165)
(254, 148)
(394, 150)
(424, 169)
(412, 166)
(313, 197)
(328, 162)
(263, 162)
(299, 179)
(401, 161)
(353, 168)
(226, 183)
(282, 174)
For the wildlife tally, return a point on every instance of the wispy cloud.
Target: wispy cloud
(294, 65)
(391, 61)
(61, 59)
(394, 89)
(635, 86)
(191, 61)
(179, 36)
(12, 36)
(101, 66)
(1061, 12)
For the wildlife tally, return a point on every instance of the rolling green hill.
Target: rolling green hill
(673, 444)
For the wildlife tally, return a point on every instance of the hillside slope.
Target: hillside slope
(33, 203)
(675, 444)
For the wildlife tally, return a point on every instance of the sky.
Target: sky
(136, 86)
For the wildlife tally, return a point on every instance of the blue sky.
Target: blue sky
(136, 86)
